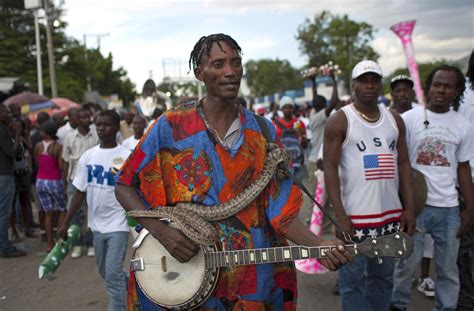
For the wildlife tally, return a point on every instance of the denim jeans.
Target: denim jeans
(7, 192)
(110, 251)
(442, 223)
(366, 284)
(79, 218)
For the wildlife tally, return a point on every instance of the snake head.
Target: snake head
(282, 171)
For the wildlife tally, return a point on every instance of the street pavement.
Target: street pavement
(77, 285)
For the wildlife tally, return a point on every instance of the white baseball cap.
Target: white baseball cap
(366, 66)
(286, 100)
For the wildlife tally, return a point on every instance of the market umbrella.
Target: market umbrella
(29, 102)
(64, 104)
(61, 106)
(25, 98)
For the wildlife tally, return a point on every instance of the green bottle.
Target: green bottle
(131, 222)
(52, 261)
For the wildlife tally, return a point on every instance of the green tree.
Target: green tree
(424, 70)
(338, 39)
(267, 76)
(178, 90)
(18, 57)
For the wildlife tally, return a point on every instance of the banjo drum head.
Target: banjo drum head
(165, 280)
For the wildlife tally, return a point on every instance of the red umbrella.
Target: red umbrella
(65, 103)
(62, 106)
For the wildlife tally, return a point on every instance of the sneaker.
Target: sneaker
(426, 286)
(76, 252)
(90, 252)
(15, 252)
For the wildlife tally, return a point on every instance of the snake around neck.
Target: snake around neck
(193, 219)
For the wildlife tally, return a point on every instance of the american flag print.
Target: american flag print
(379, 166)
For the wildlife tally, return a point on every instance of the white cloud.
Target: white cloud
(144, 32)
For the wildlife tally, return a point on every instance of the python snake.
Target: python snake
(193, 219)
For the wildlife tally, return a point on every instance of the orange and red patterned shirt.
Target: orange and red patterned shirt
(179, 160)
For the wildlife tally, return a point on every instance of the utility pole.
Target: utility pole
(39, 67)
(35, 5)
(49, 39)
(349, 53)
(88, 77)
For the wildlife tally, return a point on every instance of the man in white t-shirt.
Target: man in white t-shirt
(440, 144)
(317, 120)
(95, 182)
(139, 125)
(75, 143)
(70, 126)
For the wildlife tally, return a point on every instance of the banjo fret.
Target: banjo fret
(296, 252)
(231, 258)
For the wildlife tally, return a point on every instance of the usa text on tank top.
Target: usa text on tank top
(369, 172)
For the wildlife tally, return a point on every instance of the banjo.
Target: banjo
(174, 285)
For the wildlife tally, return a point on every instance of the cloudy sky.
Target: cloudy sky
(151, 36)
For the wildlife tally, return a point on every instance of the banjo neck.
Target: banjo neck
(220, 259)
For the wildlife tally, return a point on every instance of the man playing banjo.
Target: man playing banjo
(213, 153)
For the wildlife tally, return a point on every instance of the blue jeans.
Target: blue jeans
(442, 223)
(7, 192)
(366, 284)
(79, 218)
(110, 251)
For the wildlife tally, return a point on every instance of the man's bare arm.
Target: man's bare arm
(334, 136)
(334, 101)
(300, 235)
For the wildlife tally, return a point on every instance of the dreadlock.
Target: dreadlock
(470, 70)
(460, 82)
(204, 45)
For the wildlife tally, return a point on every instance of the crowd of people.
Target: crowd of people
(97, 164)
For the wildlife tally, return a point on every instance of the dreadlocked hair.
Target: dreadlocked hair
(470, 70)
(460, 86)
(204, 45)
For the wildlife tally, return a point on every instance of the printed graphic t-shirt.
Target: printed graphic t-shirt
(436, 150)
(94, 175)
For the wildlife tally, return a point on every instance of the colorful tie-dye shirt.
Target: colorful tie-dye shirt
(180, 160)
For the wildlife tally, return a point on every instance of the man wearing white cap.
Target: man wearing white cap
(402, 92)
(366, 165)
(292, 133)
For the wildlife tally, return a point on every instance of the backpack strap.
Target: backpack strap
(266, 133)
(264, 128)
(278, 123)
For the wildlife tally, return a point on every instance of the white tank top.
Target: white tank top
(369, 173)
